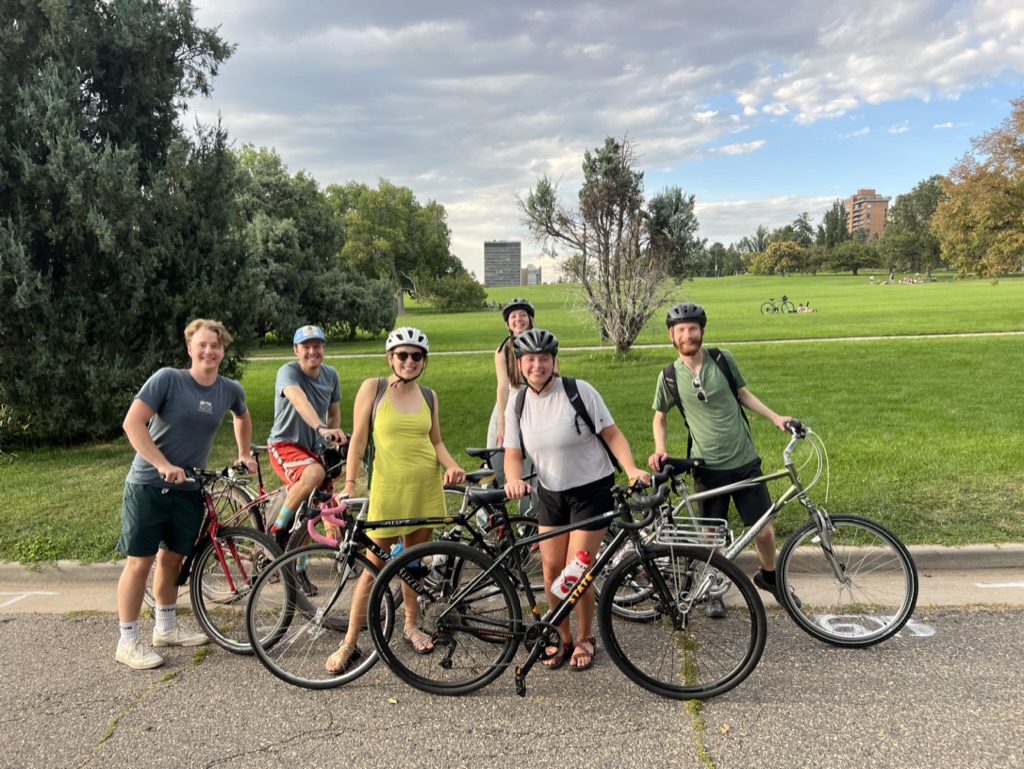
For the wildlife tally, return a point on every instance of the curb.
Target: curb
(928, 558)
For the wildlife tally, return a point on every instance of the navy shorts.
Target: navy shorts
(751, 502)
(152, 518)
(580, 503)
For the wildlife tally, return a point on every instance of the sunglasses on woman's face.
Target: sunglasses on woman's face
(404, 356)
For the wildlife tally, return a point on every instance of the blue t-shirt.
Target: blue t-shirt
(321, 392)
(187, 418)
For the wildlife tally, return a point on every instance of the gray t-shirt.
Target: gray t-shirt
(186, 421)
(565, 453)
(321, 392)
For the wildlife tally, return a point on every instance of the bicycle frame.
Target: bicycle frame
(796, 490)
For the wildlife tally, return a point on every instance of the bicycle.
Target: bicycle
(235, 505)
(784, 305)
(474, 613)
(221, 569)
(844, 579)
(293, 633)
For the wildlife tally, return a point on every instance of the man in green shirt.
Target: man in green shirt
(719, 432)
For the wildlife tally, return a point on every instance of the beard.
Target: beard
(688, 347)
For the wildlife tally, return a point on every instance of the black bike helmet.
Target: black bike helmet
(536, 341)
(686, 311)
(517, 304)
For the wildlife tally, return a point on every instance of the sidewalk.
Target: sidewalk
(990, 575)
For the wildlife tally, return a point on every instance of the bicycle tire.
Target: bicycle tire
(788, 307)
(475, 634)
(292, 633)
(874, 600)
(230, 497)
(219, 591)
(683, 654)
(767, 308)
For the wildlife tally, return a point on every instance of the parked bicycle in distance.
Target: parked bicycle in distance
(784, 305)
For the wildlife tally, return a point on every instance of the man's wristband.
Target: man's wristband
(321, 426)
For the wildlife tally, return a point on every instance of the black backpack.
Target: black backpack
(572, 392)
(382, 386)
(669, 374)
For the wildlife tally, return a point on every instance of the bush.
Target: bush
(453, 293)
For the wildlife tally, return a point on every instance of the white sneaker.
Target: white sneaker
(137, 656)
(178, 637)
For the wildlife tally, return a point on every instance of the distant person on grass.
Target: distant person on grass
(719, 432)
(171, 425)
(307, 410)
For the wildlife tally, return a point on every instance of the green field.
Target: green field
(924, 434)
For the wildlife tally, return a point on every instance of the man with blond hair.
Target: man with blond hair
(171, 425)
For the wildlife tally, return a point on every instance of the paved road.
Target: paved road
(948, 691)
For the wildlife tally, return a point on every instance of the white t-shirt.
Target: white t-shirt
(565, 453)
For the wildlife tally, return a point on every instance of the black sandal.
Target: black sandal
(556, 661)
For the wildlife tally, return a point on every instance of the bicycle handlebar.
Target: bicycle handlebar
(647, 502)
(328, 515)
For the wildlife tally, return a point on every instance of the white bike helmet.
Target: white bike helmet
(407, 335)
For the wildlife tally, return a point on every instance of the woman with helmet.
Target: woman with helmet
(518, 315)
(574, 474)
(407, 482)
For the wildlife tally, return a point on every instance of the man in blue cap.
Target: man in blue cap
(307, 409)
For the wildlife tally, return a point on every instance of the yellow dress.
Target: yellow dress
(407, 480)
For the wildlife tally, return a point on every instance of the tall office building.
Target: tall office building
(866, 211)
(502, 262)
(531, 275)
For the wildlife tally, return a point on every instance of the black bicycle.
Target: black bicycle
(293, 631)
(784, 305)
(474, 613)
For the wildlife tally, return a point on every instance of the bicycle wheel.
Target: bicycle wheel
(767, 308)
(229, 498)
(473, 620)
(222, 577)
(872, 599)
(788, 307)
(292, 633)
(683, 654)
(525, 526)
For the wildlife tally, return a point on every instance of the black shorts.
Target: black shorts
(751, 502)
(560, 508)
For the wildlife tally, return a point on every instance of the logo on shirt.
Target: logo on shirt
(206, 407)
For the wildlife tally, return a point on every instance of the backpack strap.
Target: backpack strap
(572, 392)
(723, 364)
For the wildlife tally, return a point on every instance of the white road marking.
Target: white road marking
(999, 584)
(20, 596)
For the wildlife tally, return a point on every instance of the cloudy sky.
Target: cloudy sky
(763, 109)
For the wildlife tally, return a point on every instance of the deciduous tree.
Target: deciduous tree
(604, 241)
(979, 225)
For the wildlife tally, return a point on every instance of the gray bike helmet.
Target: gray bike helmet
(686, 311)
(407, 335)
(517, 304)
(536, 341)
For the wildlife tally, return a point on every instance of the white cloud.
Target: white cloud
(739, 149)
(854, 134)
(942, 125)
(902, 128)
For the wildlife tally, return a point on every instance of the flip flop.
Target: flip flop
(581, 651)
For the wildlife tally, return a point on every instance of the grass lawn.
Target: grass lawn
(923, 435)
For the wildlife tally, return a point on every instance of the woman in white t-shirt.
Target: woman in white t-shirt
(574, 475)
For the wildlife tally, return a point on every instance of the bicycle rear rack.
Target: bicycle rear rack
(706, 532)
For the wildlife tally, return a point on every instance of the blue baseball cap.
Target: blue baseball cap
(305, 333)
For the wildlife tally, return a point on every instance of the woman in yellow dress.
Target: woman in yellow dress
(407, 482)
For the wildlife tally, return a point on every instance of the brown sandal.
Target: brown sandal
(343, 659)
(556, 661)
(581, 652)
